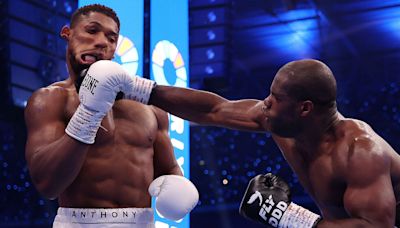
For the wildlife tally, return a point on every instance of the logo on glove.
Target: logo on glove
(256, 195)
(267, 206)
(89, 83)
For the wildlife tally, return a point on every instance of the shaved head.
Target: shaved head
(309, 79)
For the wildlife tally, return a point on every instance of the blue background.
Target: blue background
(169, 21)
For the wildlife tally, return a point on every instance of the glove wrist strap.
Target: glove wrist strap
(299, 217)
(84, 124)
(141, 90)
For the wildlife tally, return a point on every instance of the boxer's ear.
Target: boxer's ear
(306, 108)
(65, 32)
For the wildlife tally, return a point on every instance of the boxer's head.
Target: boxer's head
(91, 36)
(300, 91)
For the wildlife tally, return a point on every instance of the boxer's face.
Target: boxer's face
(94, 37)
(281, 110)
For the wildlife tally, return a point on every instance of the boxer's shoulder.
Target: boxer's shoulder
(364, 145)
(355, 139)
(158, 112)
(355, 124)
(50, 98)
(162, 117)
(353, 130)
(57, 90)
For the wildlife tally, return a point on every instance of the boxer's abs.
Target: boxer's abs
(119, 167)
(112, 177)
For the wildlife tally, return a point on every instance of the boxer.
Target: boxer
(102, 157)
(351, 173)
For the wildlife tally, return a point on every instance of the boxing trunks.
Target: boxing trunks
(104, 217)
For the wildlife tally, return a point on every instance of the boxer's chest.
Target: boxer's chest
(128, 122)
(322, 181)
(320, 177)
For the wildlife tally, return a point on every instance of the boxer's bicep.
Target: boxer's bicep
(164, 160)
(374, 203)
(208, 108)
(43, 118)
(369, 194)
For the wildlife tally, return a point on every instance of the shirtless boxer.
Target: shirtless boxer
(97, 154)
(351, 173)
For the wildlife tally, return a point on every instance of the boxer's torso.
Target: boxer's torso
(119, 166)
(323, 172)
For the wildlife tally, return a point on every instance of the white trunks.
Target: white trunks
(104, 217)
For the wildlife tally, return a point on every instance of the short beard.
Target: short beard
(80, 78)
(285, 129)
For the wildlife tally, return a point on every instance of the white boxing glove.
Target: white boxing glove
(176, 196)
(103, 80)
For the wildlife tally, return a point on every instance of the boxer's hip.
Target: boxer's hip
(104, 217)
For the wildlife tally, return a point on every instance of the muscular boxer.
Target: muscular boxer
(351, 173)
(102, 157)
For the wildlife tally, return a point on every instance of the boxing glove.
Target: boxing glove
(267, 200)
(175, 196)
(97, 92)
(137, 89)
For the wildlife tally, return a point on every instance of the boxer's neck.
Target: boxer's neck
(320, 130)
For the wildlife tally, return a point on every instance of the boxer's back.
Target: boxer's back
(119, 166)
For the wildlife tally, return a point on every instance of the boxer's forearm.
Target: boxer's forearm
(206, 108)
(53, 167)
(159, 170)
(176, 171)
(193, 105)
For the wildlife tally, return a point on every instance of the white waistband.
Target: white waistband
(105, 215)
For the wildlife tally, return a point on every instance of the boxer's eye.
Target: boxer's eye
(91, 30)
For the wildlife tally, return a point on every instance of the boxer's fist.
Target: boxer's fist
(267, 200)
(176, 196)
(117, 79)
(101, 83)
(97, 92)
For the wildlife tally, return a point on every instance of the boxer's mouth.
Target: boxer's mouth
(90, 58)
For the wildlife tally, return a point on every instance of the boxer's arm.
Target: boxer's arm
(175, 195)
(164, 162)
(369, 198)
(54, 159)
(208, 108)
